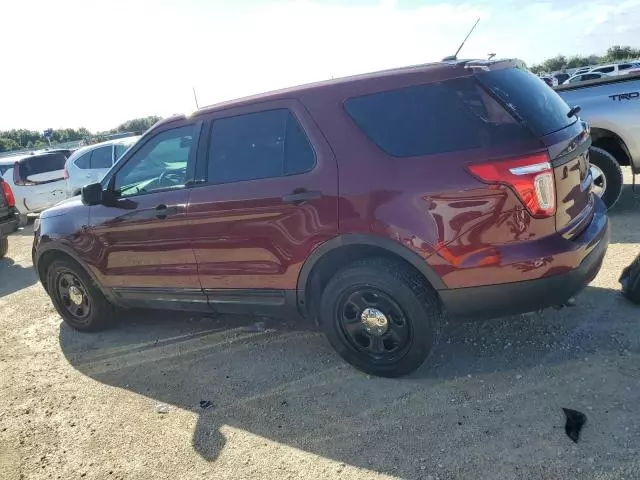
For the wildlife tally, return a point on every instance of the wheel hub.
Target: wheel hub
(375, 322)
(75, 295)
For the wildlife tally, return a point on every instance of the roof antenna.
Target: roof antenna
(195, 97)
(455, 55)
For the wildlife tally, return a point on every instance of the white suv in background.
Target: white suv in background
(36, 179)
(615, 69)
(89, 164)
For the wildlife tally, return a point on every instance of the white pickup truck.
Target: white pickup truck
(612, 109)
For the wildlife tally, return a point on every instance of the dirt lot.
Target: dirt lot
(488, 404)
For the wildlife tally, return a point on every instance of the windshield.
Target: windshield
(528, 98)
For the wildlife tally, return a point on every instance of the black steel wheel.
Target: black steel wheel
(73, 294)
(77, 299)
(373, 323)
(381, 316)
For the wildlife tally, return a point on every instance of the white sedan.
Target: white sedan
(583, 77)
(89, 164)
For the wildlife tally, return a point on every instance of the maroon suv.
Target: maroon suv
(367, 203)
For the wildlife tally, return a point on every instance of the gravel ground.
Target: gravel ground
(282, 405)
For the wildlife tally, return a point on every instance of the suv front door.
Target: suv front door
(270, 196)
(146, 256)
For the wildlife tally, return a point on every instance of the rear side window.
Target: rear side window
(529, 99)
(41, 164)
(604, 69)
(83, 161)
(120, 149)
(101, 157)
(435, 118)
(258, 145)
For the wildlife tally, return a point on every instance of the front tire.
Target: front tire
(607, 176)
(77, 299)
(381, 317)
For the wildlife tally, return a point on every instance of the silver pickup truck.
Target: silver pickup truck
(612, 109)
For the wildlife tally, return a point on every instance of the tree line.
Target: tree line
(614, 54)
(21, 138)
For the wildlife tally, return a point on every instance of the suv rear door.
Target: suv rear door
(269, 197)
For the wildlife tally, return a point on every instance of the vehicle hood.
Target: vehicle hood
(72, 206)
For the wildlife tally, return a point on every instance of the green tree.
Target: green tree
(136, 124)
(8, 144)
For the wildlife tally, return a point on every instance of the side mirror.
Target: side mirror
(92, 194)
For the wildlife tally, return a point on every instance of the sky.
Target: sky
(98, 63)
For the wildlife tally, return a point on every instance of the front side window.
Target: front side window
(159, 164)
(258, 145)
(604, 69)
(101, 157)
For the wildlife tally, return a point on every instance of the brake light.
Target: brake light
(8, 194)
(65, 174)
(530, 177)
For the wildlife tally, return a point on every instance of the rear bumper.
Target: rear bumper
(8, 226)
(489, 301)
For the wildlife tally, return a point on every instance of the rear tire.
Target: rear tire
(608, 185)
(381, 317)
(77, 298)
(4, 246)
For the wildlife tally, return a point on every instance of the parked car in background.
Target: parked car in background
(367, 204)
(549, 80)
(612, 108)
(583, 77)
(615, 69)
(89, 164)
(9, 218)
(37, 180)
(580, 70)
(561, 77)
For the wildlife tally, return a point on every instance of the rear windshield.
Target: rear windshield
(42, 164)
(435, 118)
(529, 98)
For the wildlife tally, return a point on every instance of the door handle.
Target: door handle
(163, 211)
(300, 196)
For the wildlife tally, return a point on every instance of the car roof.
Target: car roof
(450, 68)
(116, 141)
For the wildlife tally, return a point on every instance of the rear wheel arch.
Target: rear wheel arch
(612, 143)
(328, 258)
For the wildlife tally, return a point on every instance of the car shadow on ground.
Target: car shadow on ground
(14, 277)
(284, 383)
(626, 212)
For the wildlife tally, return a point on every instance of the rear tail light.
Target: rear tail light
(8, 194)
(65, 175)
(17, 179)
(530, 177)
